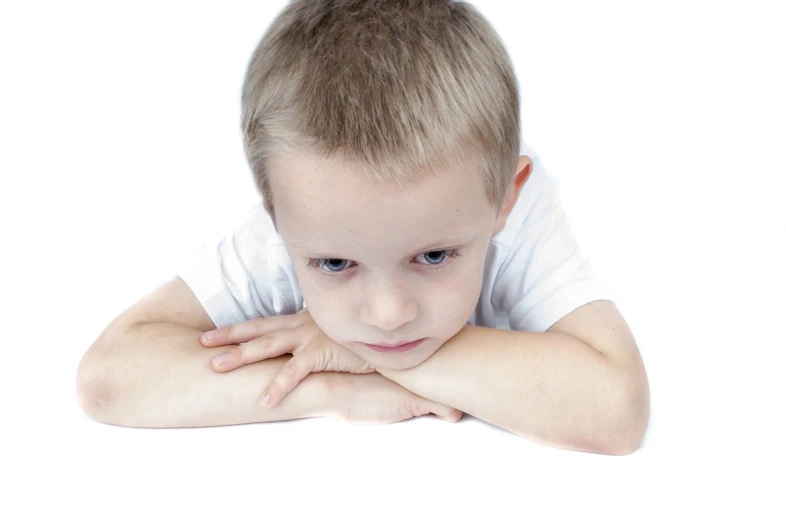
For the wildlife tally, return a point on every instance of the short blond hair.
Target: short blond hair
(405, 86)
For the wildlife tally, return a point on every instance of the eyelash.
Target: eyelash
(452, 253)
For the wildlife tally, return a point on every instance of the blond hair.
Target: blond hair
(405, 86)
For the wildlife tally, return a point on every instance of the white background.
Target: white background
(120, 154)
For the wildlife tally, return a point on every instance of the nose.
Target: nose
(388, 305)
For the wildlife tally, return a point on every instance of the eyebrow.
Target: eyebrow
(450, 240)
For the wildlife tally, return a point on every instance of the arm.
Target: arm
(550, 388)
(158, 375)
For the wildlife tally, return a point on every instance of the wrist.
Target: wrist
(333, 389)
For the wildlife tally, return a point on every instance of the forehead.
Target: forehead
(326, 201)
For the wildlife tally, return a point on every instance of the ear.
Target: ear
(524, 169)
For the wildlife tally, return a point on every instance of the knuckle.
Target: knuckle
(262, 344)
(237, 354)
(266, 341)
(274, 388)
(289, 373)
(281, 384)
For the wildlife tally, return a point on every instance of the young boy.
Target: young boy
(384, 140)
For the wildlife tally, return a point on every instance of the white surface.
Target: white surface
(120, 154)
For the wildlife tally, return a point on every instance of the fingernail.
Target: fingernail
(221, 359)
(209, 335)
(265, 401)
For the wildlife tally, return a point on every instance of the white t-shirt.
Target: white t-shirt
(535, 272)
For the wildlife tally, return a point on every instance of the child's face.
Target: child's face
(374, 261)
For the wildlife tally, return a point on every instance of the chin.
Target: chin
(403, 360)
(401, 365)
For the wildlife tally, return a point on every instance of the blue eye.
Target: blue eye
(334, 265)
(440, 256)
(330, 266)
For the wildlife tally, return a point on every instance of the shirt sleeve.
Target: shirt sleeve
(243, 275)
(546, 275)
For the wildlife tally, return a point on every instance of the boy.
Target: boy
(400, 234)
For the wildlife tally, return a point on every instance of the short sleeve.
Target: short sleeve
(546, 275)
(244, 275)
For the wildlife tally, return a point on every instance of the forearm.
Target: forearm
(549, 388)
(158, 375)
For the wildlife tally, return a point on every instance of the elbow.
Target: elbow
(633, 416)
(94, 394)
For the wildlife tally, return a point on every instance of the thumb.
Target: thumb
(454, 416)
(425, 406)
(446, 413)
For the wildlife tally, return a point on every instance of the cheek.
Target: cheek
(327, 311)
(325, 317)
(467, 281)
(458, 297)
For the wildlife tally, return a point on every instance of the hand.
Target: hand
(373, 399)
(297, 334)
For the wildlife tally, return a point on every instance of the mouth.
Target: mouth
(396, 347)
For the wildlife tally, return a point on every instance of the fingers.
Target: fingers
(269, 346)
(453, 416)
(244, 331)
(446, 413)
(287, 379)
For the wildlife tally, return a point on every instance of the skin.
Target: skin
(383, 273)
